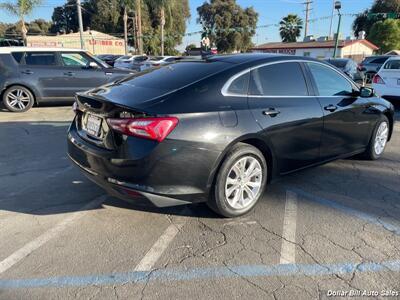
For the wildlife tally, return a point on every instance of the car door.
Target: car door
(42, 70)
(346, 119)
(81, 72)
(291, 119)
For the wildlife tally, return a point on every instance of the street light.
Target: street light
(338, 6)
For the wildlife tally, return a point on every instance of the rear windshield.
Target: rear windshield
(338, 63)
(176, 75)
(392, 65)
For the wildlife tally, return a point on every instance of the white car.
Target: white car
(158, 61)
(387, 81)
(132, 62)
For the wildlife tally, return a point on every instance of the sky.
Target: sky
(270, 12)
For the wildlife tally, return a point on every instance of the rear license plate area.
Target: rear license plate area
(92, 125)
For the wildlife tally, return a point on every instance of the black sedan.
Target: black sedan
(218, 130)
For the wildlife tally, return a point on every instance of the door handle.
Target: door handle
(272, 112)
(330, 107)
(27, 72)
(69, 73)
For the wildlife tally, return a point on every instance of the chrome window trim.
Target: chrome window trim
(226, 93)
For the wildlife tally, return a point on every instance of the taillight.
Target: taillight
(149, 128)
(377, 79)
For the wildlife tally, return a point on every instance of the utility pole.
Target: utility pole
(78, 7)
(139, 26)
(338, 6)
(332, 15)
(162, 30)
(126, 30)
(307, 3)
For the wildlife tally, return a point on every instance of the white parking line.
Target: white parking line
(151, 257)
(26, 250)
(288, 250)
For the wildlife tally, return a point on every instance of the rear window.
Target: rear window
(140, 58)
(175, 76)
(40, 58)
(380, 60)
(392, 65)
(18, 56)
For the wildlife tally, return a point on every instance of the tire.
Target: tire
(18, 98)
(238, 196)
(381, 133)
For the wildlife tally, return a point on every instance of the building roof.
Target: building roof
(313, 44)
(5, 50)
(91, 34)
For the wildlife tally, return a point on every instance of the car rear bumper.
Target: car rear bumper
(161, 176)
(387, 92)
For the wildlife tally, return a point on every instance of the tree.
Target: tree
(385, 34)
(228, 25)
(21, 9)
(369, 17)
(290, 28)
(65, 17)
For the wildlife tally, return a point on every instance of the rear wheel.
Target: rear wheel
(378, 141)
(18, 99)
(240, 181)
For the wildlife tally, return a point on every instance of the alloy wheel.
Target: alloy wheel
(243, 183)
(381, 138)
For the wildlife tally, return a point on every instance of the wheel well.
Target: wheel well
(265, 150)
(14, 84)
(391, 123)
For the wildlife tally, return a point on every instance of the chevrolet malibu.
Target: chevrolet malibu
(218, 130)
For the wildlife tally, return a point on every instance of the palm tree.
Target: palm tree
(21, 9)
(162, 6)
(290, 28)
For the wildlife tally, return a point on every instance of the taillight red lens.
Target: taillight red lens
(149, 128)
(377, 79)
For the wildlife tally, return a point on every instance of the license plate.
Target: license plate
(93, 125)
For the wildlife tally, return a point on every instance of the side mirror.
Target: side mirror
(93, 65)
(366, 92)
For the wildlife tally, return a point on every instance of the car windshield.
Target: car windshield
(392, 65)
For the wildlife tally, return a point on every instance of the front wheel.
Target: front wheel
(378, 141)
(240, 181)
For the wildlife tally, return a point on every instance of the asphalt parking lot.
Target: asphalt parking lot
(314, 233)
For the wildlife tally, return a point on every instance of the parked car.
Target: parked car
(349, 67)
(218, 130)
(109, 58)
(131, 62)
(37, 75)
(157, 61)
(371, 65)
(387, 81)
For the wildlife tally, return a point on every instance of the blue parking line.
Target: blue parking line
(202, 273)
(351, 211)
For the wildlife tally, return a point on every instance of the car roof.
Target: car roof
(394, 58)
(5, 50)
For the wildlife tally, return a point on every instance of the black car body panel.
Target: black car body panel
(292, 131)
(54, 81)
